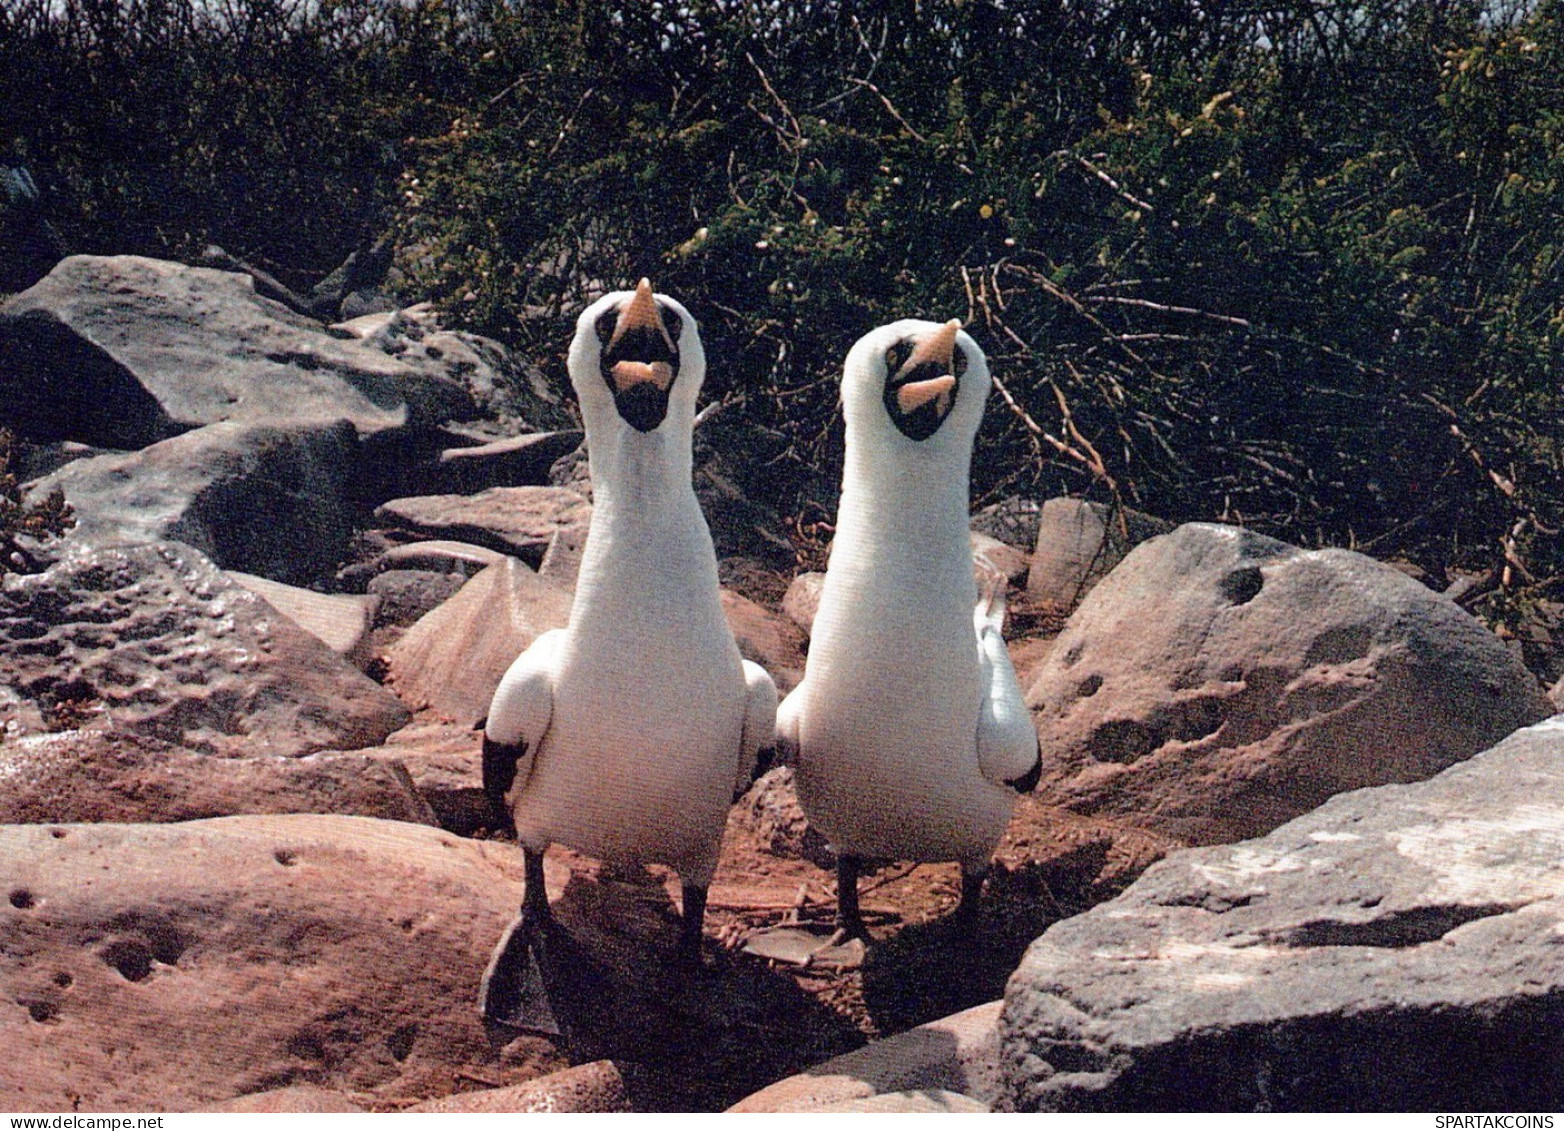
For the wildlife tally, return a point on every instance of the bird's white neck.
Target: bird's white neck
(649, 552)
(929, 515)
(637, 478)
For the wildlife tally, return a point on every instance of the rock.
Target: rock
(92, 777)
(765, 638)
(594, 1087)
(1556, 695)
(802, 600)
(362, 273)
(297, 1099)
(1008, 560)
(38, 460)
(514, 461)
(561, 563)
(957, 1054)
(407, 594)
(1078, 543)
(919, 1100)
(446, 556)
(165, 967)
(267, 500)
(444, 761)
(573, 470)
(436, 556)
(1395, 950)
(1218, 683)
(1013, 520)
(453, 658)
(770, 811)
(505, 386)
(340, 621)
(458, 460)
(123, 351)
(154, 640)
(514, 520)
(266, 284)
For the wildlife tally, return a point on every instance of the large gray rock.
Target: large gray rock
(1399, 949)
(268, 500)
(154, 640)
(514, 520)
(453, 658)
(1078, 544)
(505, 385)
(164, 967)
(1218, 683)
(92, 776)
(123, 351)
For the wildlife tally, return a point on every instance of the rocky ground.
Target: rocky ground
(246, 854)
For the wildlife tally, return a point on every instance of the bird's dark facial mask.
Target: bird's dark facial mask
(923, 378)
(640, 357)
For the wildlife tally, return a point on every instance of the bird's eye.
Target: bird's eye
(671, 320)
(605, 326)
(897, 356)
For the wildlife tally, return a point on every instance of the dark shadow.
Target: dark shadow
(930, 970)
(685, 1040)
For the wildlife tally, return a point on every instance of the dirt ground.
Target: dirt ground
(701, 1042)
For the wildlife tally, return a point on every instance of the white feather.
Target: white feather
(651, 702)
(523, 704)
(890, 716)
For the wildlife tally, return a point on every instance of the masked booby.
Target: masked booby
(909, 726)
(625, 734)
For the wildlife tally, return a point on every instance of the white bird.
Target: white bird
(626, 734)
(910, 730)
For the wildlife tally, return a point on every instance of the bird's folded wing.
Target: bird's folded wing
(519, 716)
(1006, 738)
(760, 724)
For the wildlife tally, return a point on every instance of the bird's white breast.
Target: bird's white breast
(649, 698)
(888, 726)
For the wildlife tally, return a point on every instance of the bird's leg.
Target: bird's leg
(844, 950)
(690, 932)
(971, 893)
(849, 919)
(513, 992)
(534, 895)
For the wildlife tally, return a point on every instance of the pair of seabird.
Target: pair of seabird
(626, 734)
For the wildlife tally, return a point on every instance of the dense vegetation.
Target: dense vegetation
(1292, 263)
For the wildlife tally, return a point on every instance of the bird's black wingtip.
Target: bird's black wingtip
(1028, 781)
(500, 760)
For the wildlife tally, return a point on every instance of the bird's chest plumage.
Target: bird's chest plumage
(893, 673)
(641, 753)
(887, 760)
